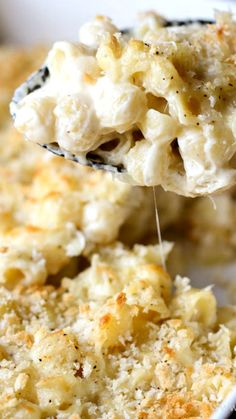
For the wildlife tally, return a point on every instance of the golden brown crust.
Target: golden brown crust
(109, 338)
(177, 406)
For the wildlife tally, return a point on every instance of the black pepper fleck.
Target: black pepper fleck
(45, 73)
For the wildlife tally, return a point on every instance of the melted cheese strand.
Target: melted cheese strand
(212, 201)
(158, 229)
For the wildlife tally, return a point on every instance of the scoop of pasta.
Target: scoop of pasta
(157, 104)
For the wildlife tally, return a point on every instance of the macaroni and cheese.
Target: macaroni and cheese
(114, 341)
(159, 105)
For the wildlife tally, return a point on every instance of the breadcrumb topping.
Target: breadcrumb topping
(114, 341)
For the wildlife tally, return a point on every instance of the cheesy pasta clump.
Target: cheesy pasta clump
(157, 104)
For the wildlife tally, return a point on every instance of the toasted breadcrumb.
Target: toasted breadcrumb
(114, 342)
